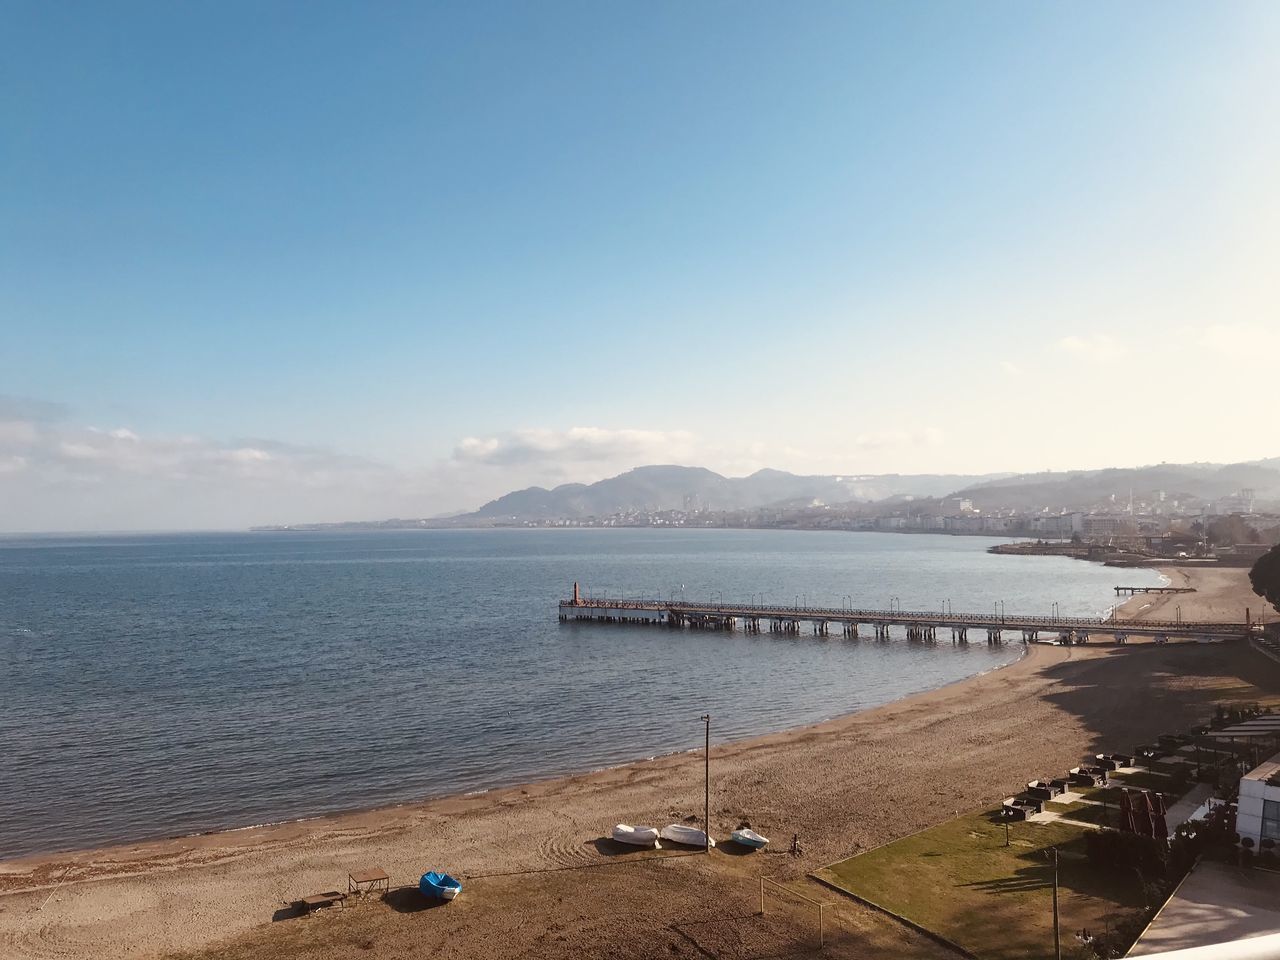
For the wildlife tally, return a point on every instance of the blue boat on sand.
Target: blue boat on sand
(439, 885)
(749, 838)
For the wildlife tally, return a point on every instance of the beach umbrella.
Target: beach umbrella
(1159, 826)
(1143, 815)
(1126, 813)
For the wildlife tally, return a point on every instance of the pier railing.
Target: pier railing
(682, 609)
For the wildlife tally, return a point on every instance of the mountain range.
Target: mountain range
(660, 488)
(656, 488)
(1082, 489)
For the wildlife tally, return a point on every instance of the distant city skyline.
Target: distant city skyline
(320, 262)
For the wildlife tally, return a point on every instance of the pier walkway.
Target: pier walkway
(922, 625)
(1130, 591)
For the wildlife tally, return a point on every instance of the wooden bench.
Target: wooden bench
(319, 901)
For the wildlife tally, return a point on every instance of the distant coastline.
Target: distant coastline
(470, 523)
(1168, 512)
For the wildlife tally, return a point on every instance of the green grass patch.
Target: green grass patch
(1101, 794)
(959, 880)
(1086, 812)
(1142, 780)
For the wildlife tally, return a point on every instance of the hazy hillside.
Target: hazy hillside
(1085, 488)
(661, 488)
(678, 488)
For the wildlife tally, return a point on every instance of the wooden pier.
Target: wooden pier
(916, 625)
(1131, 591)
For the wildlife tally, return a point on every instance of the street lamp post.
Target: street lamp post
(706, 786)
(1057, 940)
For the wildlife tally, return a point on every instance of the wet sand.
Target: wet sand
(540, 881)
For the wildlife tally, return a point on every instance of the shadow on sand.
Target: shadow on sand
(411, 900)
(609, 847)
(731, 848)
(1133, 694)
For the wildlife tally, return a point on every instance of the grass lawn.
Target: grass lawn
(1101, 794)
(958, 879)
(1086, 812)
(1142, 780)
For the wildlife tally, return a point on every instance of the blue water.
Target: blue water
(161, 685)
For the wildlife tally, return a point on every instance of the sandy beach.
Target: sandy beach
(541, 882)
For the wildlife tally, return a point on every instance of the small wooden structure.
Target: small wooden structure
(362, 883)
(319, 901)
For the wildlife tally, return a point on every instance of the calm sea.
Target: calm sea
(161, 685)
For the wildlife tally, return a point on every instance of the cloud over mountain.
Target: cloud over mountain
(575, 445)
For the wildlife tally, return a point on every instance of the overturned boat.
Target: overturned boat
(749, 838)
(636, 836)
(688, 836)
(439, 885)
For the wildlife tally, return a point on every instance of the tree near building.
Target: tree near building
(1228, 531)
(1265, 576)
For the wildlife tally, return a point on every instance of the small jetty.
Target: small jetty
(1132, 591)
(920, 625)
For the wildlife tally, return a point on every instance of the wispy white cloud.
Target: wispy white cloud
(92, 453)
(1097, 348)
(576, 445)
(55, 475)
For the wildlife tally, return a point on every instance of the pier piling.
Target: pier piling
(918, 626)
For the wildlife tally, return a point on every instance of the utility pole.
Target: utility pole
(706, 786)
(1057, 941)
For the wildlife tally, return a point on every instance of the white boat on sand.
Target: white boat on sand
(689, 836)
(749, 838)
(636, 836)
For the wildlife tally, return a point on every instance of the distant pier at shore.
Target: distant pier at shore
(1133, 591)
(919, 625)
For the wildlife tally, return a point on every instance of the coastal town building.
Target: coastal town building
(1102, 525)
(1258, 812)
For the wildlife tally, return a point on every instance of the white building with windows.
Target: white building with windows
(1258, 812)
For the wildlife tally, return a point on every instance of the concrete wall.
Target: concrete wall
(1249, 810)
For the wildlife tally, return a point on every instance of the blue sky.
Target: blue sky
(343, 260)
